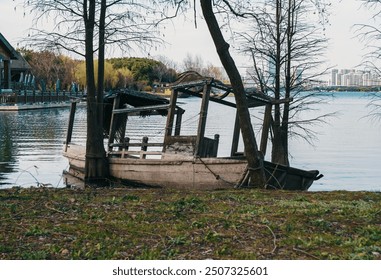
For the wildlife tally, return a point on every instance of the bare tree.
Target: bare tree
(286, 48)
(196, 63)
(85, 28)
(193, 63)
(370, 35)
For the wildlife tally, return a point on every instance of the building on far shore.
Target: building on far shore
(353, 78)
(13, 67)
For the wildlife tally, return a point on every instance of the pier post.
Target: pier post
(25, 96)
(215, 145)
(202, 119)
(179, 115)
(34, 96)
(144, 147)
(71, 124)
(16, 96)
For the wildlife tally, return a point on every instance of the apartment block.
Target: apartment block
(353, 77)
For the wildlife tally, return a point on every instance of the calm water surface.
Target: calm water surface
(347, 151)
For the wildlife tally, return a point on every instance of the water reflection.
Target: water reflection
(30, 148)
(348, 150)
(7, 162)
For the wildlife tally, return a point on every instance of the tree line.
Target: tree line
(127, 72)
(138, 73)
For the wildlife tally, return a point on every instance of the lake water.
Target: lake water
(347, 149)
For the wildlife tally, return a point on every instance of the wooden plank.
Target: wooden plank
(137, 144)
(215, 145)
(179, 116)
(202, 119)
(236, 133)
(265, 129)
(200, 82)
(214, 99)
(205, 174)
(140, 109)
(125, 147)
(112, 131)
(170, 117)
(144, 147)
(141, 153)
(71, 123)
(123, 128)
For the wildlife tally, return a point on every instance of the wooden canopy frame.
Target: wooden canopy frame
(203, 88)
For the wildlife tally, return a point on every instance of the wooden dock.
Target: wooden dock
(35, 106)
(34, 100)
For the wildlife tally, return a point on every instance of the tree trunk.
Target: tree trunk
(256, 174)
(279, 153)
(96, 168)
(286, 109)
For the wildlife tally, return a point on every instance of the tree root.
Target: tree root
(246, 181)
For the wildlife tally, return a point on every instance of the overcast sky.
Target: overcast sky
(344, 50)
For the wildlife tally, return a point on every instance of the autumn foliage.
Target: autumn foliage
(126, 72)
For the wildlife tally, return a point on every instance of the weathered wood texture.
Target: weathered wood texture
(189, 172)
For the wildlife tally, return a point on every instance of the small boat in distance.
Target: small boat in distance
(183, 161)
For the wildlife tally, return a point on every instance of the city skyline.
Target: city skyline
(353, 77)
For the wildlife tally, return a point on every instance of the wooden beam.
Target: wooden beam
(214, 99)
(144, 147)
(124, 119)
(69, 133)
(236, 134)
(179, 116)
(111, 134)
(202, 119)
(170, 117)
(140, 109)
(265, 129)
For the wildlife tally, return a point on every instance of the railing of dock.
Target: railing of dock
(36, 96)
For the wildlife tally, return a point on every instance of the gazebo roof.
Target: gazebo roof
(9, 53)
(6, 48)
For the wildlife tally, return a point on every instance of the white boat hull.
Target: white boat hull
(208, 173)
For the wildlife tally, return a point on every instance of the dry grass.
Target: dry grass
(125, 223)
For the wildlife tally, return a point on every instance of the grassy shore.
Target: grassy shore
(123, 223)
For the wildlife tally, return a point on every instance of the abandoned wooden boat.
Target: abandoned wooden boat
(184, 161)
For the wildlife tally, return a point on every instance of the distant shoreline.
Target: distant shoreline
(348, 89)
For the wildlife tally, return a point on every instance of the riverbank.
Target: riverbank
(124, 223)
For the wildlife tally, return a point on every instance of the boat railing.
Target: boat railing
(122, 149)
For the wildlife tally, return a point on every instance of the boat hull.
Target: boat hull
(191, 173)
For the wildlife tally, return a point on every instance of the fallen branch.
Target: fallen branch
(306, 253)
(274, 240)
(53, 209)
